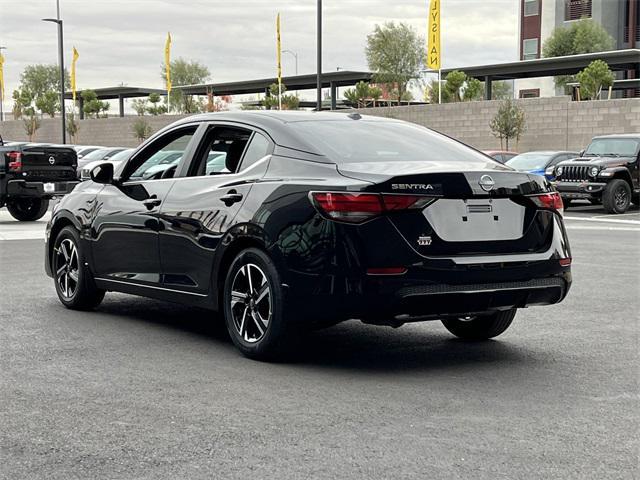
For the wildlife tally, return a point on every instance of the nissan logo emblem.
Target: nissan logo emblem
(52, 160)
(486, 183)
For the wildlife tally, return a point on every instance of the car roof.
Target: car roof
(548, 152)
(620, 135)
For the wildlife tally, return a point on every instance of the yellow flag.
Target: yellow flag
(433, 35)
(73, 73)
(1, 77)
(279, 52)
(167, 60)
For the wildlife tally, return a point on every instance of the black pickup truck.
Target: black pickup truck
(31, 174)
(607, 172)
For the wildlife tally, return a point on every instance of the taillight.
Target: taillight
(15, 161)
(354, 207)
(550, 201)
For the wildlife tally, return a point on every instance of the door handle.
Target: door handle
(231, 197)
(152, 202)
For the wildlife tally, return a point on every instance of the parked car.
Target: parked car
(100, 154)
(537, 162)
(117, 159)
(316, 218)
(607, 172)
(500, 155)
(31, 174)
(83, 150)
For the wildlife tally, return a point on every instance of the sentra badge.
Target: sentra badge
(411, 186)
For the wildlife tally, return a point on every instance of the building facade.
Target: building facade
(538, 19)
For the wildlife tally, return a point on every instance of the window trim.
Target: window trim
(529, 90)
(524, 8)
(524, 52)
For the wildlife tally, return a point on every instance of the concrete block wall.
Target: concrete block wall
(552, 123)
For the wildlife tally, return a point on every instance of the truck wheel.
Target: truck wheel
(480, 327)
(28, 209)
(617, 196)
(73, 280)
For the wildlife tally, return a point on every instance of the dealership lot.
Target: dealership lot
(145, 389)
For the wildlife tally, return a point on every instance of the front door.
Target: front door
(125, 227)
(204, 204)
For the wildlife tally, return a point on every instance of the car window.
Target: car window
(220, 151)
(258, 148)
(154, 161)
(507, 156)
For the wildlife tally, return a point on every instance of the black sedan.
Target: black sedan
(290, 220)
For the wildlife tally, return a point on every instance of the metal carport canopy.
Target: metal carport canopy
(111, 93)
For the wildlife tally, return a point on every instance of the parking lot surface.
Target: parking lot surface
(145, 389)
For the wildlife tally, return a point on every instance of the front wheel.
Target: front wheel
(255, 310)
(480, 327)
(617, 196)
(73, 281)
(28, 209)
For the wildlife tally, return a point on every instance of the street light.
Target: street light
(295, 55)
(1, 95)
(61, 63)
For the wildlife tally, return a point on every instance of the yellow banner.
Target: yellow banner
(167, 61)
(76, 55)
(279, 53)
(433, 33)
(1, 77)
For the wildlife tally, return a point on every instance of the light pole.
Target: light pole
(1, 95)
(61, 63)
(295, 55)
(319, 57)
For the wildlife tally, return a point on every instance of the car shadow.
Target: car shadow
(351, 345)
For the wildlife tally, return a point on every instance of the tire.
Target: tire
(566, 202)
(72, 279)
(28, 209)
(257, 322)
(617, 196)
(481, 327)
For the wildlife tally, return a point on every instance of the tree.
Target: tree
(431, 92)
(42, 83)
(141, 129)
(359, 94)
(509, 122)
(593, 78)
(21, 102)
(139, 105)
(583, 36)
(72, 126)
(289, 102)
(154, 108)
(501, 90)
(375, 93)
(395, 54)
(454, 83)
(31, 125)
(473, 90)
(185, 72)
(93, 106)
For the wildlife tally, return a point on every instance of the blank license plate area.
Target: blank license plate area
(476, 220)
(49, 187)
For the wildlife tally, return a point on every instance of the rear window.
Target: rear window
(353, 141)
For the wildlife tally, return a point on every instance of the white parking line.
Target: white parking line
(603, 227)
(600, 220)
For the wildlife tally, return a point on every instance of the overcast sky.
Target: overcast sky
(122, 41)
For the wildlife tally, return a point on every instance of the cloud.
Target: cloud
(122, 41)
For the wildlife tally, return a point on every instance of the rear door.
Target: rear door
(126, 223)
(205, 202)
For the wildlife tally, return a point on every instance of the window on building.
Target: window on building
(576, 9)
(529, 48)
(529, 93)
(531, 7)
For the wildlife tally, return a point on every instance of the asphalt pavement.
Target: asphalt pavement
(141, 389)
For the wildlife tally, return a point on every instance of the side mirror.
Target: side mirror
(581, 153)
(102, 173)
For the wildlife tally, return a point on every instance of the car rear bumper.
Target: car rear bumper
(23, 188)
(577, 190)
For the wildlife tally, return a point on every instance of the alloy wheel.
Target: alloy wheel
(67, 268)
(620, 197)
(251, 303)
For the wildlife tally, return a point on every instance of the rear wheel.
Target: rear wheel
(480, 327)
(73, 280)
(28, 209)
(617, 196)
(255, 310)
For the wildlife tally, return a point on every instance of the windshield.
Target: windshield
(123, 155)
(529, 161)
(350, 141)
(624, 147)
(96, 154)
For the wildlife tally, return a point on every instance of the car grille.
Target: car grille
(574, 173)
(52, 174)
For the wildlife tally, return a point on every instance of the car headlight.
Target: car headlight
(559, 171)
(594, 171)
